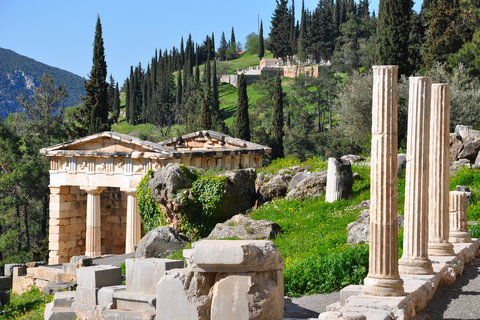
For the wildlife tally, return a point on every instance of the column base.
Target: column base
(440, 249)
(415, 266)
(383, 287)
(93, 254)
(460, 237)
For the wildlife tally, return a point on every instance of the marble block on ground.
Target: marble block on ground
(99, 276)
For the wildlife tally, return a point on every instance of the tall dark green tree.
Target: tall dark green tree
(94, 116)
(179, 92)
(261, 44)
(223, 47)
(116, 103)
(215, 93)
(206, 112)
(277, 121)
(442, 38)
(293, 30)
(279, 43)
(233, 43)
(393, 33)
(243, 122)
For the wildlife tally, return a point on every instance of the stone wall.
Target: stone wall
(113, 221)
(67, 225)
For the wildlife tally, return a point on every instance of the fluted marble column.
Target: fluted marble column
(133, 222)
(93, 241)
(459, 232)
(439, 177)
(383, 278)
(415, 240)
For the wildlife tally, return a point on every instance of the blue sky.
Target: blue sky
(60, 32)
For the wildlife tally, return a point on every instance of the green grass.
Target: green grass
(314, 236)
(470, 178)
(30, 305)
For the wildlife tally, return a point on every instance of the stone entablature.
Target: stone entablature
(91, 175)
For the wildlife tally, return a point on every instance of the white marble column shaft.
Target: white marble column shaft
(439, 173)
(383, 278)
(93, 241)
(459, 232)
(415, 240)
(134, 232)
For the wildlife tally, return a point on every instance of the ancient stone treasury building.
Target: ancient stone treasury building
(93, 180)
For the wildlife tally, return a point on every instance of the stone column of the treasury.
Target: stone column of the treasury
(93, 241)
(134, 232)
(459, 232)
(383, 278)
(439, 173)
(415, 240)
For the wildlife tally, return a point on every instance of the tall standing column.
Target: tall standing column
(383, 278)
(459, 232)
(93, 241)
(133, 221)
(415, 242)
(438, 187)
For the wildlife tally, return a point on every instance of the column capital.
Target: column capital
(92, 190)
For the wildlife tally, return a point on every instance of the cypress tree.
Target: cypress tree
(127, 100)
(197, 70)
(206, 113)
(212, 47)
(93, 115)
(179, 92)
(111, 93)
(442, 39)
(261, 44)
(222, 49)
(215, 93)
(182, 53)
(393, 31)
(293, 30)
(233, 43)
(279, 43)
(208, 80)
(243, 122)
(277, 121)
(302, 49)
(116, 103)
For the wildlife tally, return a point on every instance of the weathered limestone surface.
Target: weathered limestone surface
(383, 278)
(415, 244)
(61, 307)
(339, 180)
(245, 228)
(313, 185)
(438, 187)
(160, 243)
(93, 239)
(134, 222)
(458, 218)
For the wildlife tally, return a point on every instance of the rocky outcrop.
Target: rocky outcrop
(245, 228)
(160, 243)
(339, 179)
(172, 189)
(352, 158)
(270, 192)
(359, 231)
(240, 194)
(312, 186)
(471, 146)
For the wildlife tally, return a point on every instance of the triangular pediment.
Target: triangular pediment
(105, 143)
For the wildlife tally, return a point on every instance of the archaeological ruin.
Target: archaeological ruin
(93, 204)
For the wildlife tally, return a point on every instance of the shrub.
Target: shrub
(29, 305)
(148, 207)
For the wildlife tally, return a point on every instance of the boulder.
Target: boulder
(339, 180)
(401, 163)
(471, 146)
(270, 192)
(456, 146)
(81, 261)
(168, 182)
(462, 130)
(467, 191)
(263, 178)
(240, 194)
(297, 178)
(245, 228)
(359, 231)
(283, 179)
(477, 161)
(160, 243)
(312, 186)
(352, 158)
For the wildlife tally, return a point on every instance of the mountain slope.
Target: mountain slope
(20, 74)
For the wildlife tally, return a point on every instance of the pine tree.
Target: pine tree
(243, 122)
(261, 44)
(277, 121)
(93, 115)
(206, 113)
(393, 30)
(222, 49)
